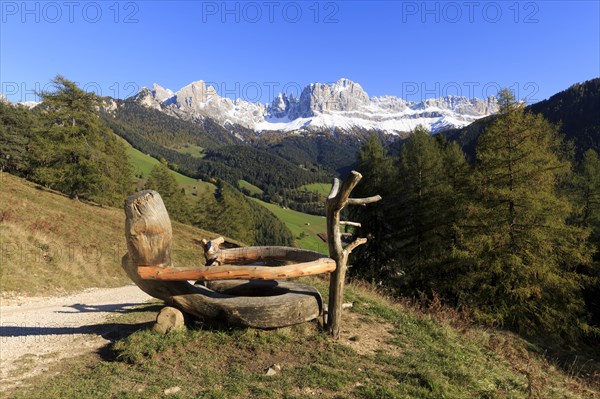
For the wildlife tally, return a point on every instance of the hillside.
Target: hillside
(224, 156)
(304, 227)
(51, 244)
(387, 350)
(577, 110)
(143, 164)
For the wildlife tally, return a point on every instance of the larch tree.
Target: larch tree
(16, 129)
(586, 195)
(74, 152)
(371, 261)
(161, 179)
(520, 251)
(419, 216)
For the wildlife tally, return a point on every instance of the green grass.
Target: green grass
(319, 188)
(193, 150)
(412, 356)
(250, 187)
(143, 165)
(50, 244)
(303, 226)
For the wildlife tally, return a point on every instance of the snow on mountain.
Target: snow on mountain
(341, 106)
(28, 104)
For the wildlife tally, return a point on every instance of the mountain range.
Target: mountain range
(342, 106)
(205, 136)
(576, 110)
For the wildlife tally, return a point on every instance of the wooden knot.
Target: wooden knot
(211, 250)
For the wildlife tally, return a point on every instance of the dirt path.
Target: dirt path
(35, 332)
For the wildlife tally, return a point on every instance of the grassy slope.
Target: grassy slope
(250, 187)
(50, 244)
(193, 150)
(298, 223)
(143, 165)
(295, 221)
(319, 188)
(387, 350)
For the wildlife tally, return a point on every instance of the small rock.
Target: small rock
(169, 319)
(172, 390)
(271, 372)
(274, 369)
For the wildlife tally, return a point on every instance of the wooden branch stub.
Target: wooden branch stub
(354, 244)
(346, 188)
(354, 224)
(335, 187)
(364, 201)
(211, 249)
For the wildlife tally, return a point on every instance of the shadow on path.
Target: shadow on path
(108, 308)
(41, 334)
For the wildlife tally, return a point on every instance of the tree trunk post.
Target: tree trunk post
(338, 198)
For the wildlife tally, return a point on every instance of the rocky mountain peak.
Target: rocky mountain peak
(145, 97)
(343, 95)
(160, 93)
(341, 106)
(279, 106)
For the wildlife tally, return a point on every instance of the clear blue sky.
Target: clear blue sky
(411, 49)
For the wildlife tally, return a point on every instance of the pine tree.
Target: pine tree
(419, 216)
(586, 183)
(16, 131)
(74, 152)
(228, 212)
(372, 260)
(586, 194)
(457, 172)
(161, 179)
(519, 251)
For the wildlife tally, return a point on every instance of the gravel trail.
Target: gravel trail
(35, 332)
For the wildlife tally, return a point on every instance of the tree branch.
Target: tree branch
(334, 189)
(355, 224)
(364, 201)
(352, 246)
(346, 188)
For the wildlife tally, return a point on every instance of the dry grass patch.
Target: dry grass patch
(50, 244)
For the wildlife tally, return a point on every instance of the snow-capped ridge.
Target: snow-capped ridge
(343, 105)
(28, 104)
